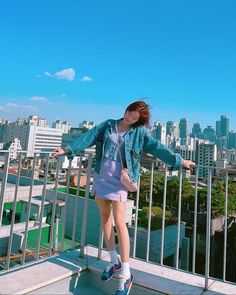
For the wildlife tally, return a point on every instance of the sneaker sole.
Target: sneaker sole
(111, 276)
(130, 286)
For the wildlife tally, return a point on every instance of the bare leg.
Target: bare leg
(106, 219)
(121, 228)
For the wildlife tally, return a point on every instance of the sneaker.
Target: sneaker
(125, 285)
(110, 270)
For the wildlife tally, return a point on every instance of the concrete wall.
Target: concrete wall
(23, 189)
(155, 242)
(93, 221)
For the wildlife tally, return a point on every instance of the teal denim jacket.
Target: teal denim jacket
(137, 140)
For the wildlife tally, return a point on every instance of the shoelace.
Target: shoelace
(122, 281)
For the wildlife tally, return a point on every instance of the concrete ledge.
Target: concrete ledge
(166, 280)
(147, 275)
(42, 273)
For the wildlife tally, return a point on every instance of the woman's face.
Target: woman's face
(131, 117)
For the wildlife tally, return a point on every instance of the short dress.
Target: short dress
(106, 184)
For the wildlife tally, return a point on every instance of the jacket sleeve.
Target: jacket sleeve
(157, 149)
(84, 141)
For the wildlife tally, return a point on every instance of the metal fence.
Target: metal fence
(53, 246)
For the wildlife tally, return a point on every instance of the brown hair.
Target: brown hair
(143, 109)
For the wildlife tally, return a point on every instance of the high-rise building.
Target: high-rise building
(196, 130)
(33, 137)
(172, 129)
(209, 134)
(218, 129)
(21, 121)
(183, 129)
(64, 126)
(87, 125)
(232, 140)
(43, 139)
(38, 121)
(224, 126)
(159, 132)
(207, 155)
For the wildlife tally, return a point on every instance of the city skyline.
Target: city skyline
(189, 127)
(80, 61)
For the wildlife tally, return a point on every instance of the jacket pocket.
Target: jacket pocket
(135, 156)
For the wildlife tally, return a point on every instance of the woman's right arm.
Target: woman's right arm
(84, 141)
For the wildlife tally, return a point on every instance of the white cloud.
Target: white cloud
(38, 98)
(65, 74)
(86, 79)
(11, 105)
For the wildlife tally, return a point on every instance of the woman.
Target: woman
(120, 143)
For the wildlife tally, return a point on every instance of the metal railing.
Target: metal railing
(53, 243)
(9, 257)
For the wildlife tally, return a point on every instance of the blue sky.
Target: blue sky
(75, 60)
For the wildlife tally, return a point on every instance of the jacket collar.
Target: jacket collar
(112, 125)
(130, 130)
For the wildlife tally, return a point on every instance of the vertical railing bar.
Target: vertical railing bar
(136, 219)
(150, 213)
(100, 242)
(163, 218)
(86, 203)
(208, 229)
(76, 204)
(179, 218)
(28, 211)
(54, 204)
(42, 208)
(195, 220)
(66, 205)
(13, 213)
(226, 225)
(4, 184)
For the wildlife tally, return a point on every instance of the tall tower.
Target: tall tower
(224, 126)
(183, 130)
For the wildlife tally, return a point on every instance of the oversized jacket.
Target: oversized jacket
(137, 140)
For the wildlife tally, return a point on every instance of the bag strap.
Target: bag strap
(117, 141)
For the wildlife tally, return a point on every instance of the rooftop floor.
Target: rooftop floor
(66, 273)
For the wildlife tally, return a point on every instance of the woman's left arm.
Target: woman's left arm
(157, 149)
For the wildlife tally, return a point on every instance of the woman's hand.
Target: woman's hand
(58, 152)
(187, 164)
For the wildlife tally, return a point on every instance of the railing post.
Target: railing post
(54, 204)
(42, 208)
(13, 214)
(76, 204)
(195, 219)
(150, 214)
(208, 230)
(86, 202)
(163, 218)
(226, 224)
(179, 218)
(100, 242)
(28, 211)
(66, 206)
(136, 219)
(4, 185)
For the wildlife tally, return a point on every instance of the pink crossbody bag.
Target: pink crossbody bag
(125, 178)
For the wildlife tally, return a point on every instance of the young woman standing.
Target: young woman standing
(120, 143)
